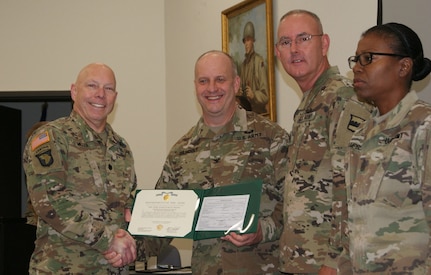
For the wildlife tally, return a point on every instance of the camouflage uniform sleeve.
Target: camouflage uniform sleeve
(339, 251)
(272, 225)
(57, 205)
(339, 220)
(347, 115)
(423, 159)
(134, 182)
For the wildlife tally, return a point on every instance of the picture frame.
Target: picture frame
(250, 22)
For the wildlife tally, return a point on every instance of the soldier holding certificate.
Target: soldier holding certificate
(229, 145)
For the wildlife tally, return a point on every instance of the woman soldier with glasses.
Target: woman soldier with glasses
(388, 161)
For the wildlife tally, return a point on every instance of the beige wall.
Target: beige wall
(45, 43)
(152, 45)
(413, 13)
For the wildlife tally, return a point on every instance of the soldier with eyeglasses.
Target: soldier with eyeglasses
(324, 121)
(388, 175)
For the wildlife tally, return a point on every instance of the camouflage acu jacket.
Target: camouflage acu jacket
(389, 191)
(248, 147)
(79, 182)
(323, 123)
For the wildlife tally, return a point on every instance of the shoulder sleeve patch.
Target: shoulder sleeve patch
(353, 115)
(40, 139)
(46, 158)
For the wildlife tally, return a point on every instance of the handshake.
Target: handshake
(122, 250)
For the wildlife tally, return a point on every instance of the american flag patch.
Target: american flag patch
(39, 140)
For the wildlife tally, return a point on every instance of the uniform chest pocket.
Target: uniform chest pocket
(192, 168)
(394, 182)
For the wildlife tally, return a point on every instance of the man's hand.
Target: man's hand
(122, 250)
(245, 239)
(113, 258)
(127, 214)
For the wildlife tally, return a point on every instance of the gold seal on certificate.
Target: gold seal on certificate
(197, 214)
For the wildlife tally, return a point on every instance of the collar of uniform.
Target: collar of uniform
(236, 124)
(321, 81)
(87, 132)
(399, 112)
(318, 87)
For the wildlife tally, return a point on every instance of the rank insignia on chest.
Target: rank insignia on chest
(45, 158)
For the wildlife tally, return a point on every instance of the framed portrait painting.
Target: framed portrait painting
(247, 35)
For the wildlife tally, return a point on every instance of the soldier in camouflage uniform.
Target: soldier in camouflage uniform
(388, 163)
(323, 124)
(253, 73)
(229, 145)
(81, 181)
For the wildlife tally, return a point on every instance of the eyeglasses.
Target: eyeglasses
(366, 58)
(300, 40)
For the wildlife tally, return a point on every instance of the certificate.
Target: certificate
(197, 214)
(163, 212)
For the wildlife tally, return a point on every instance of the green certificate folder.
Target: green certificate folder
(197, 214)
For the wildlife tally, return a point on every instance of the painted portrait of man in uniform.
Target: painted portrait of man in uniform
(247, 37)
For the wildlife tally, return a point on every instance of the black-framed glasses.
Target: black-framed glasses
(301, 39)
(366, 58)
